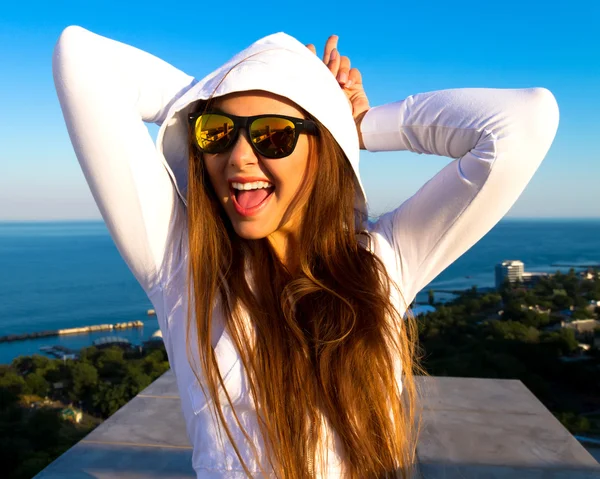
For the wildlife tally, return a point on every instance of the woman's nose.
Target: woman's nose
(242, 152)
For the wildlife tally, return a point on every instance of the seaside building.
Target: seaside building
(581, 326)
(593, 305)
(109, 341)
(532, 278)
(511, 269)
(157, 335)
(155, 341)
(71, 414)
(514, 270)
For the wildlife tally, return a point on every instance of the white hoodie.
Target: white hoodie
(107, 91)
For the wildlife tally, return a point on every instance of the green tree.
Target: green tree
(36, 384)
(84, 381)
(13, 382)
(111, 364)
(53, 372)
(581, 314)
(561, 301)
(32, 465)
(34, 363)
(109, 398)
(564, 341)
(43, 428)
(136, 379)
(514, 331)
(574, 423)
(8, 399)
(154, 364)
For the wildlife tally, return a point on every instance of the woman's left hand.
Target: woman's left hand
(350, 81)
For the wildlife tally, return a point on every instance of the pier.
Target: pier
(65, 332)
(563, 265)
(59, 352)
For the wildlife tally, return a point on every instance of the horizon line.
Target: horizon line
(100, 220)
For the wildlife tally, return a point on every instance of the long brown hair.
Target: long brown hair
(326, 339)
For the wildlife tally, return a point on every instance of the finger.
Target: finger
(342, 75)
(334, 62)
(312, 48)
(330, 45)
(354, 78)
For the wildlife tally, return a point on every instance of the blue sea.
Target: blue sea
(57, 275)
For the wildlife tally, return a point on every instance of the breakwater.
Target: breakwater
(70, 331)
(567, 265)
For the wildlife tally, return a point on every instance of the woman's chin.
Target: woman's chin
(250, 231)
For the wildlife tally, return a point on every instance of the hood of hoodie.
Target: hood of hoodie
(278, 64)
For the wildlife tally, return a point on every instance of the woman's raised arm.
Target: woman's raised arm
(498, 139)
(107, 90)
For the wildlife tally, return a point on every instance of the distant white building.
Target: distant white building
(157, 335)
(511, 269)
(589, 274)
(514, 270)
(581, 325)
(155, 341)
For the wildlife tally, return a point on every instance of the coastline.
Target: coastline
(61, 274)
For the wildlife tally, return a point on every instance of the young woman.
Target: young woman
(280, 303)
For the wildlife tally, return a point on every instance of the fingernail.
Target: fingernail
(349, 84)
(343, 77)
(333, 54)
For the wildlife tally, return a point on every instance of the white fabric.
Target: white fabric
(497, 139)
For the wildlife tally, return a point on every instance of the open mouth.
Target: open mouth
(250, 202)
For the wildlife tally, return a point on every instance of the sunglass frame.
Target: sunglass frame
(301, 125)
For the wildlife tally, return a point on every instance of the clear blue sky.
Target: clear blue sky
(401, 48)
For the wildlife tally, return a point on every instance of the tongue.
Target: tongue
(251, 198)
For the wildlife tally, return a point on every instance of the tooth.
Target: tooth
(251, 186)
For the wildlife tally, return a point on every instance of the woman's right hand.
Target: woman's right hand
(350, 80)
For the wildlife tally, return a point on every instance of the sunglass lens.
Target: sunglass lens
(273, 137)
(214, 132)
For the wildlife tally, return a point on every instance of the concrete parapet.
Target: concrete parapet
(472, 429)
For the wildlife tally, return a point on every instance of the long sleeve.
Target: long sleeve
(107, 90)
(498, 138)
